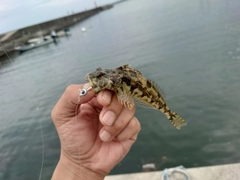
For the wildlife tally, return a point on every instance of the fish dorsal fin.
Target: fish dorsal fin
(127, 67)
(143, 104)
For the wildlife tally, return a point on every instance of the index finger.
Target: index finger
(66, 105)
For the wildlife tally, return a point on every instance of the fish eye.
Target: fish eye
(83, 92)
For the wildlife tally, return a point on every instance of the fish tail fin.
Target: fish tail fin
(175, 119)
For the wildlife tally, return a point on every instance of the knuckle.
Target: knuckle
(115, 103)
(139, 126)
(86, 113)
(136, 124)
(104, 98)
(133, 123)
(53, 114)
(69, 88)
(120, 124)
(121, 138)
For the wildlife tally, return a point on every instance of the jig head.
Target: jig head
(84, 90)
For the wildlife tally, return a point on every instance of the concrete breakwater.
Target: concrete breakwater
(18, 37)
(219, 172)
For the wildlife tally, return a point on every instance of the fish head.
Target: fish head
(102, 79)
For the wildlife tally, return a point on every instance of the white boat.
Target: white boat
(34, 43)
(63, 33)
(24, 47)
(41, 41)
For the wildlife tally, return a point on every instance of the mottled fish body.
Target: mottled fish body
(129, 83)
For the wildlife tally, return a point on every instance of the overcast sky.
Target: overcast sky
(15, 14)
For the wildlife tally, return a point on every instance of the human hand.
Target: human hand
(96, 138)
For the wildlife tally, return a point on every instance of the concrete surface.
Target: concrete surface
(220, 172)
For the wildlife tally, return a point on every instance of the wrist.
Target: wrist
(68, 170)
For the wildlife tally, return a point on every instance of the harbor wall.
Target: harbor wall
(18, 37)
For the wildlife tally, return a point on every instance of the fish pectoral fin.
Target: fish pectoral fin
(126, 100)
(143, 104)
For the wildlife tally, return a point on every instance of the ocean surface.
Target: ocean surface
(191, 48)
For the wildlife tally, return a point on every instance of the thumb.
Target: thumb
(66, 105)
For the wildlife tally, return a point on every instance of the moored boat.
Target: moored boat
(34, 43)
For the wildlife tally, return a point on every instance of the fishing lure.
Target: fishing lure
(129, 83)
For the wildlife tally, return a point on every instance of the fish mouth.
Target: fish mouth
(87, 78)
(90, 79)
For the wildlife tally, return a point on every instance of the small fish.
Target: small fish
(129, 83)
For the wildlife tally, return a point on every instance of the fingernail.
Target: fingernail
(105, 136)
(108, 118)
(106, 96)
